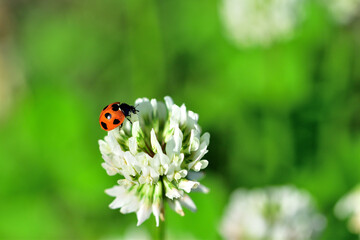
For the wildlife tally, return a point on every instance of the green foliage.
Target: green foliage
(289, 113)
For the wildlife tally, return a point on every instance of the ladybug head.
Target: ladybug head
(127, 109)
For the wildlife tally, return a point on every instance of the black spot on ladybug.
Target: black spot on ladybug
(104, 125)
(116, 121)
(108, 115)
(105, 107)
(115, 107)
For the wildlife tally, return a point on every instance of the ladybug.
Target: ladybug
(113, 115)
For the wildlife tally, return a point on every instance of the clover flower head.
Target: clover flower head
(260, 22)
(159, 156)
(343, 11)
(272, 213)
(348, 207)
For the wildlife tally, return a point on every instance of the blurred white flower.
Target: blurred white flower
(278, 213)
(349, 207)
(343, 11)
(260, 22)
(159, 156)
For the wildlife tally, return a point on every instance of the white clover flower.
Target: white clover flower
(278, 213)
(349, 207)
(260, 22)
(343, 11)
(159, 156)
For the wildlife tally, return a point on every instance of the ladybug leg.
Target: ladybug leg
(129, 120)
(121, 125)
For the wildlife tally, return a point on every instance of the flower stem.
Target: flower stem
(161, 228)
(160, 234)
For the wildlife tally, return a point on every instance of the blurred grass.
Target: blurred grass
(289, 113)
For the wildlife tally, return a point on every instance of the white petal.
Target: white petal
(156, 212)
(187, 185)
(110, 170)
(133, 145)
(115, 161)
(128, 174)
(164, 159)
(173, 146)
(142, 179)
(187, 202)
(180, 174)
(201, 152)
(155, 162)
(177, 176)
(169, 131)
(141, 100)
(104, 147)
(200, 165)
(132, 162)
(194, 141)
(183, 173)
(154, 174)
(120, 201)
(157, 201)
(125, 183)
(132, 206)
(202, 189)
(173, 193)
(117, 203)
(154, 105)
(170, 172)
(146, 176)
(164, 164)
(124, 199)
(156, 147)
(204, 163)
(107, 158)
(162, 112)
(183, 114)
(143, 213)
(180, 159)
(193, 116)
(176, 206)
(205, 138)
(175, 116)
(198, 155)
(169, 102)
(145, 111)
(170, 190)
(114, 145)
(143, 159)
(136, 130)
(115, 191)
(115, 133)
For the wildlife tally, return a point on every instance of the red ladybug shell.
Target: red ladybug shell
(111, 116)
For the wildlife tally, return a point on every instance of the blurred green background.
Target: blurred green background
(287, 113)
